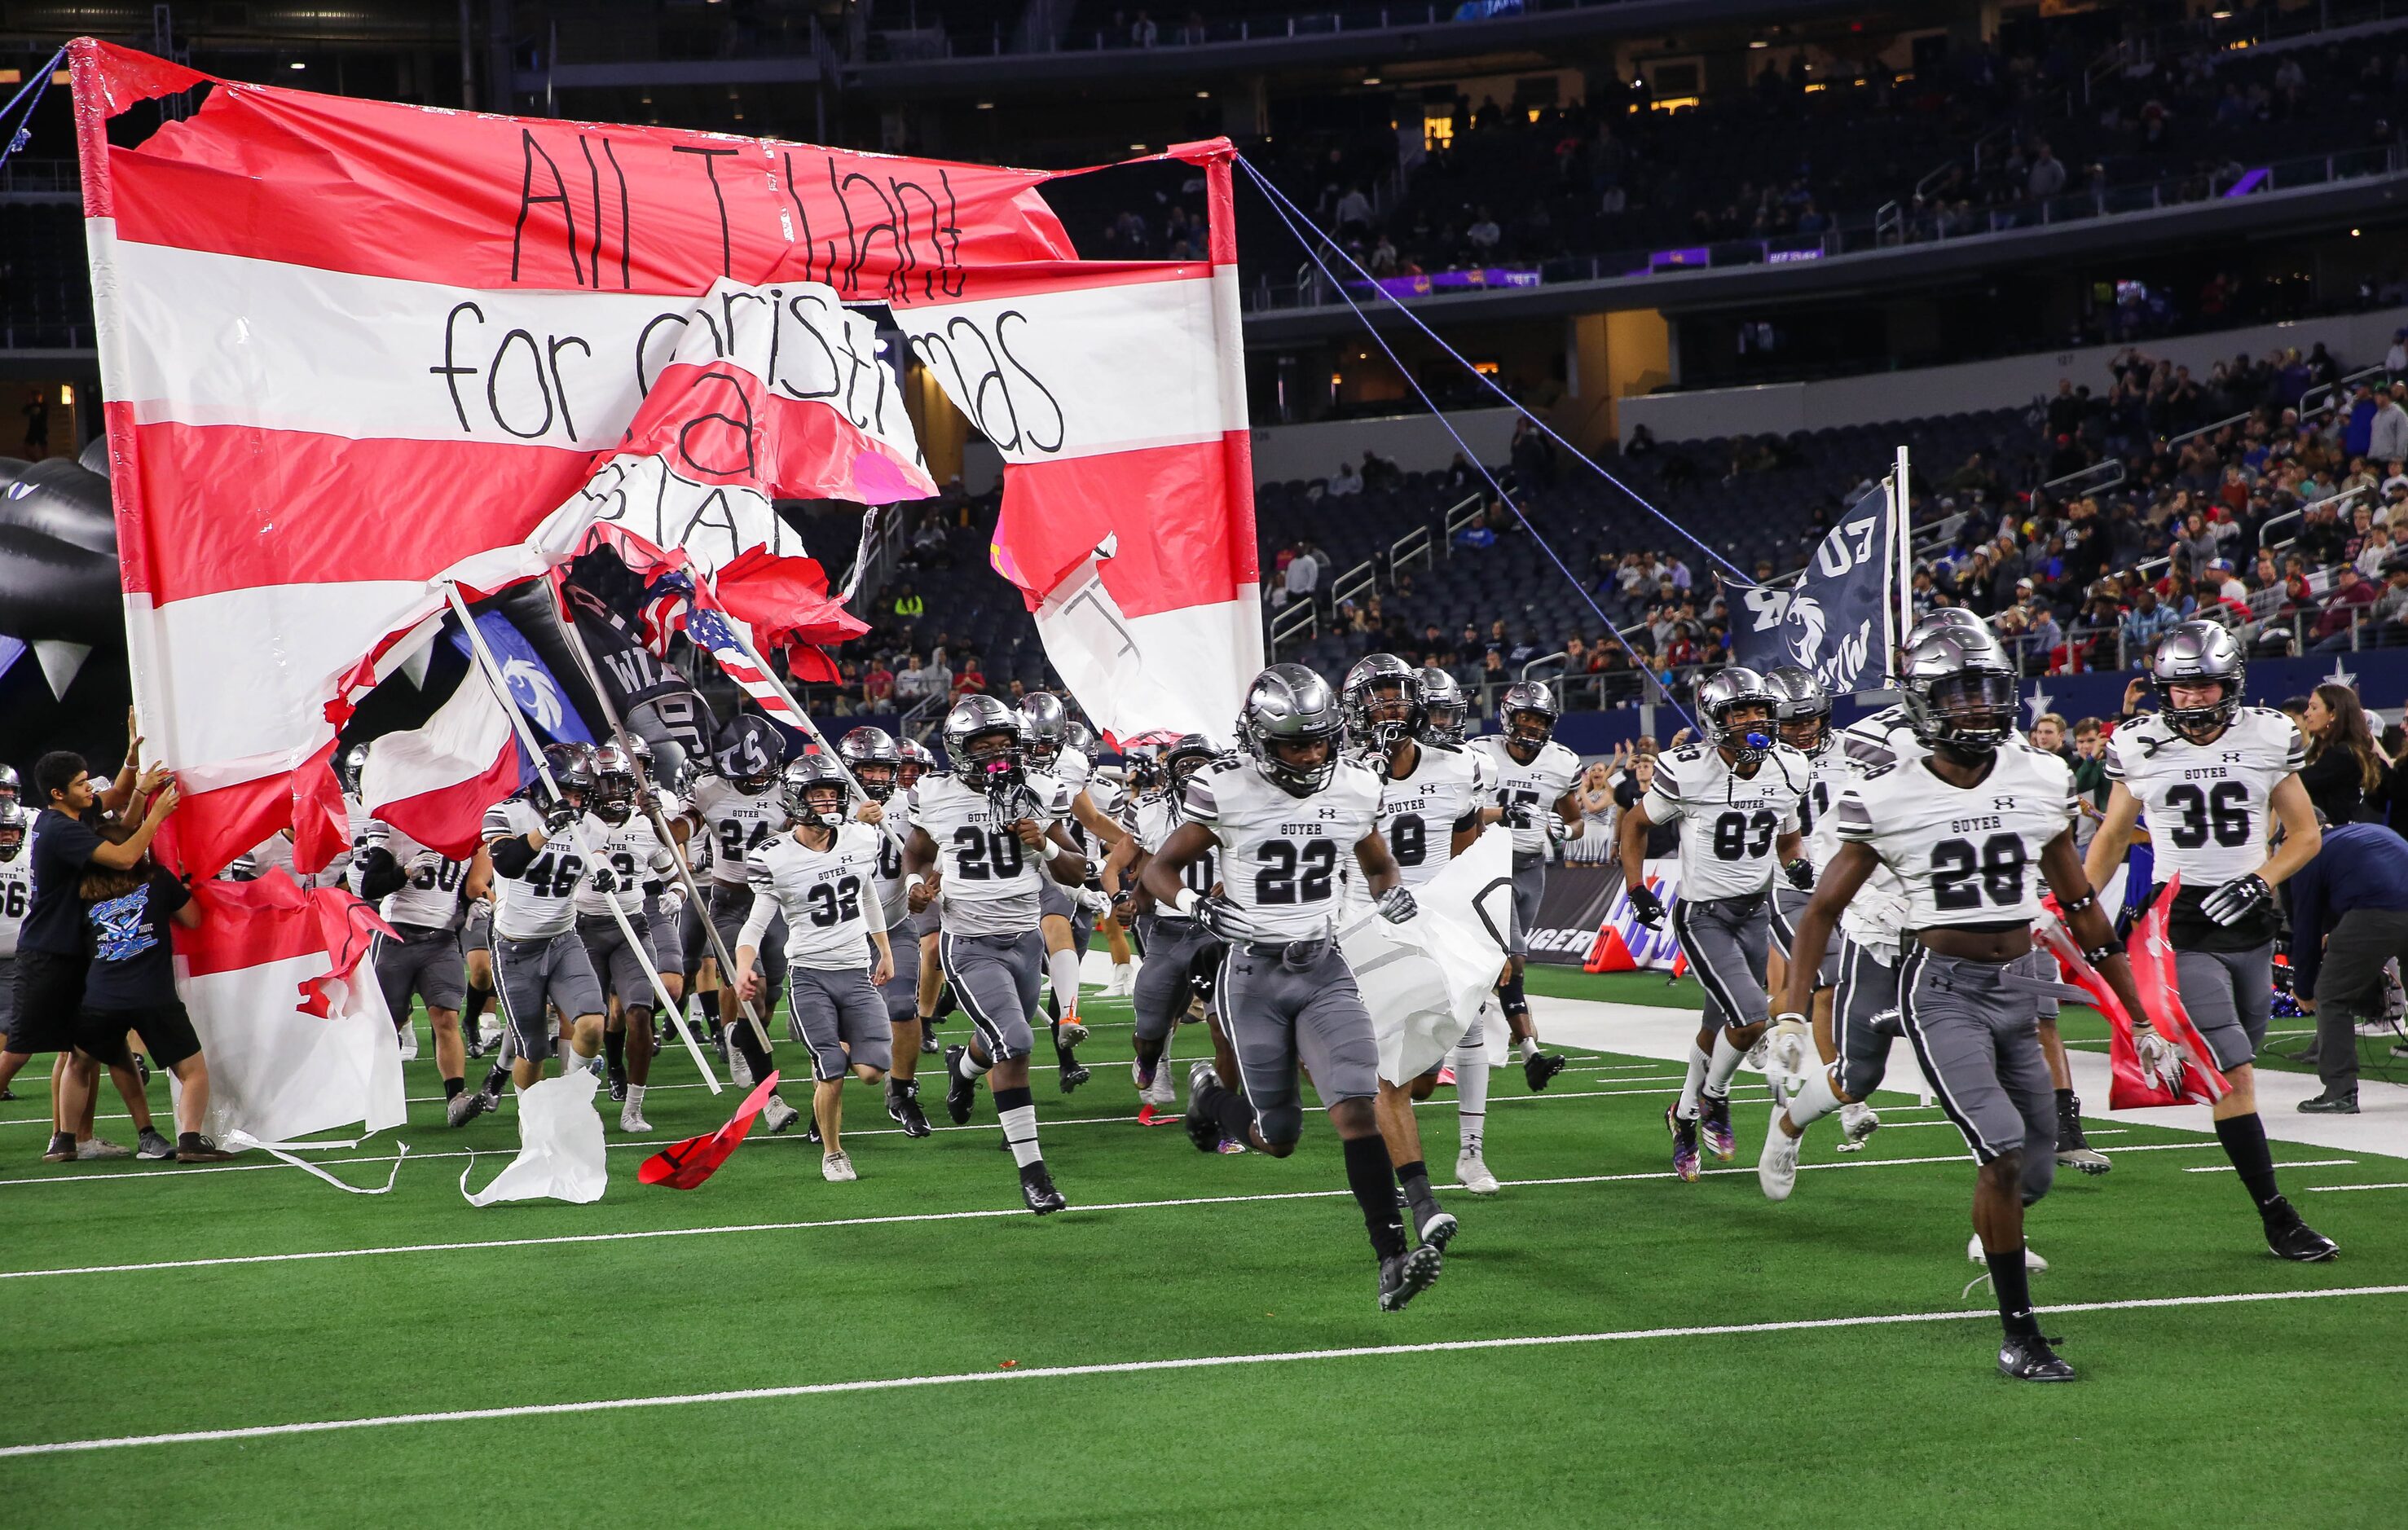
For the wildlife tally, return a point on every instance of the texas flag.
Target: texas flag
(435, 782)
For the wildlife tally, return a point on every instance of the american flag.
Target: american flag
(663, 612)
(710, 631)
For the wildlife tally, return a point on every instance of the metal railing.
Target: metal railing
(1459, 516)
(2109, 473)
(1363, 578)
(1295, 623)
(1412, 547)
(2174, 441)
(2333, 391)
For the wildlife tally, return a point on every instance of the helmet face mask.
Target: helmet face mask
(572, 770)
(1735, 712)
(1801, 709)
(1382, 704)
(1045, 728)
(1972, 712)
(875, 761)
(814, 793)
(1445, 714)
(614, 784)
(13, 822)
(1526, 717)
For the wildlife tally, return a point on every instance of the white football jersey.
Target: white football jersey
(429, 896)
(1281, 854)
(893, 830)
(1729, 822)
(1151, 821)
(2208, 805)
(1419, 815)
(738, 824)
(635, 855)
(828, 897)
(1538, 785)
(991, 882)
(15, 894)
(540, 901)
(1831, 774)
(1875, 918)
(1968, 855)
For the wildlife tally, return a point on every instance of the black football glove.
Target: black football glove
(1800, 873)
(1396, 905)
(1223, 918)
(1518, 815)
(605, 880)
(1646, 906)
(557, 817)
(2236, 900)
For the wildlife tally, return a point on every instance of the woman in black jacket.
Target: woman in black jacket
(2342, 765)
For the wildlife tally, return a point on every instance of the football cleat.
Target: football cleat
(2032, 1360)
(1540, 1068)
(960, 1088)
(631, 1118)
(1036, 1189)
(929, 1045)
(1859, 1122)
(1069, 1032)
(1714, 1121)
(1472, 1172)
(150, 1145)
(2073, 1151)
(2084, 1159)
(2032, 1261)
(618, 1087)
(812, 1132)
(739, 1070)
(1685, 1142)
(1776, 1168)
(1408, 1275)
(904, 1110)
(837, 1169)
(2288, 1238)
(1229, 1144)
(1073, 1076)
(778, 1115)
(409, 1043)
(465, 1106)
(1438, 1229)
(1203, 1127)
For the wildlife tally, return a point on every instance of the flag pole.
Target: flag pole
(576, 641)
(493, 673)
(1902, 506)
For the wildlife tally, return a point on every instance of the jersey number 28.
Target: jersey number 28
(1961, 881)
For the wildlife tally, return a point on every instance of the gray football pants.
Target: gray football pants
(1162, 994)
(1726, 940)
(1975, 1029)
(1282, 1013)
(2231, 998)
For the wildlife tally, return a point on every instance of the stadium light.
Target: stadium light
(298, 65)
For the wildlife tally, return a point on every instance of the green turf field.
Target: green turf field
(1617, 1354)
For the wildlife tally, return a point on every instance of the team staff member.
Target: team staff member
(2349, 915)
(50, 960)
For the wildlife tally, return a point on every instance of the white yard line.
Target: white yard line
(867, 1222)
(2305, 1163)
(2320, 1190)
(1134, 1368)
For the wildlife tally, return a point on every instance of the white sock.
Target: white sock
(1528, 1048)
(1725, 1062)
(1020, 1130)
(1470, 1061)
(636, 1097)
(972, 1067)
(1688, 1108)
(1813, 1102)
(1061, 967)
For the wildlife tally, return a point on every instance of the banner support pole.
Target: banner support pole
(492, 673)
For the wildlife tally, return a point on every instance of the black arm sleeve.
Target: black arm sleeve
(380, 875)
(512, 855)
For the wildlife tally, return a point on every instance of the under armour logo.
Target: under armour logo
(2233, 756)
(2003, 805)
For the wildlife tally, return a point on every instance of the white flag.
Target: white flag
(1424, 980)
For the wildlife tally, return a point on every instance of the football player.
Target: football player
(1738, 797)
(1534, 778)
(636, 865)
(822, 878)
(15, 897)
(1070, 912)
(737, 805)
(538, 959)
(977, 834)
(1281, 815)
(934, 1001)
(2210, 773)
(877, 764)
(1431, 799)
(1175, 944)
(1801, 709)
(421, 893)
(1972, 829)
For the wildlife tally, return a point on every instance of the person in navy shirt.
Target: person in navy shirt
(2349, 915)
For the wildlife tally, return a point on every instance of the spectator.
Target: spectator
(971, 681)
(2048, 736)
(2047, 176)
(2342, 765)
(2388, 437)
(877, 685)
(907, 607)
(2386, 619)
(1303, 576)
(2196, 548)
(1142, 32)
(1483, 236)
(2144, 625)
(1343, 482)
(1478, 535)
(916, 685)
(2350, 597)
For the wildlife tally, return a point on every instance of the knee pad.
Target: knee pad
(1279, 1126)
(1861, 1076)
(2040, 1172)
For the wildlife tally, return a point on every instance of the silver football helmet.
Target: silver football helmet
(1445, 713)
(1382, 702)
(1044, 728)
(983, 743)
(814, 790)
(2199, 653)
(1801, 707)
(1959, 691)
(1732, 691)
(1290, 714)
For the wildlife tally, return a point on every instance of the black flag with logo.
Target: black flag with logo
(1835, 619)
(654, 696)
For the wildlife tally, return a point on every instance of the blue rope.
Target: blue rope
(1473, 457)
(1636, 497)
(40, 86)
